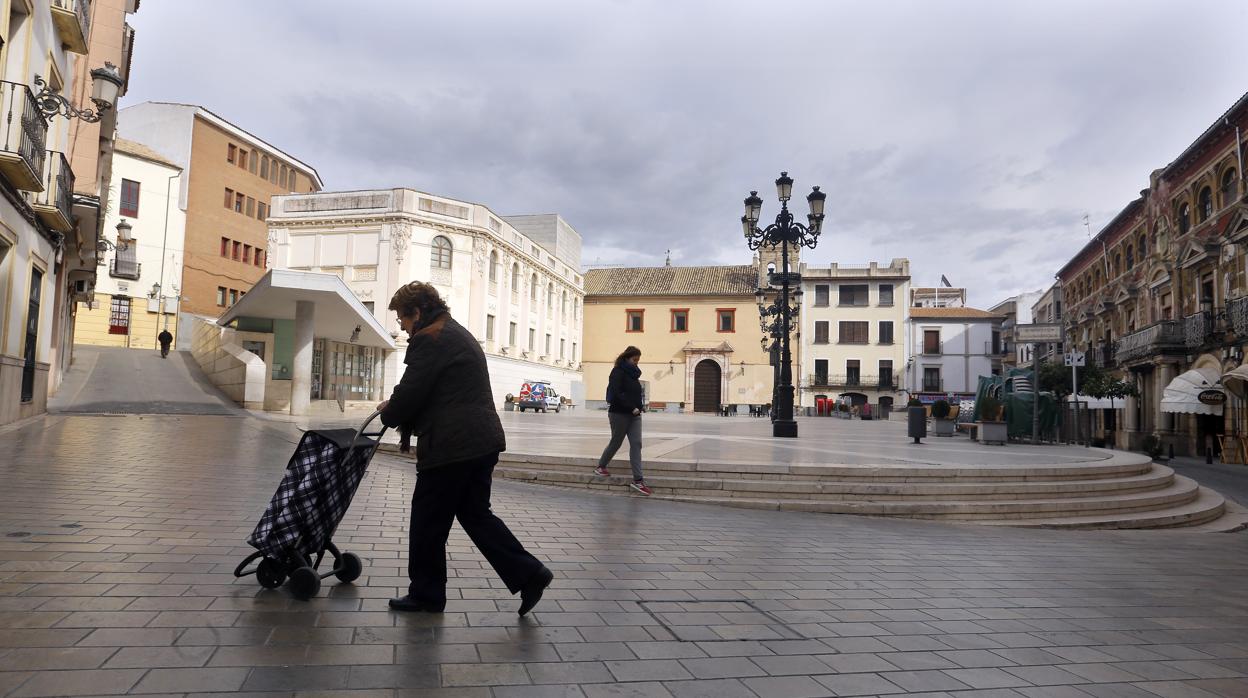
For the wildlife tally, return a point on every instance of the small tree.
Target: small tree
(989, 409)
(941, 409)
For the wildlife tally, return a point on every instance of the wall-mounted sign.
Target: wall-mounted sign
(1038, 333)
(1212, 397)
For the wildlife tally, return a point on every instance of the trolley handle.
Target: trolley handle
(363, 430)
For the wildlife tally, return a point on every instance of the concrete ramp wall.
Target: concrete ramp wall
(239, 373)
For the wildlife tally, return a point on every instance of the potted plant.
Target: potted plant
(509, 403)
(943, 426)
(992, 428)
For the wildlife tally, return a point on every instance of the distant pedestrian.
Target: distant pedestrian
(625, 405)
(165, 340)
(444, 397)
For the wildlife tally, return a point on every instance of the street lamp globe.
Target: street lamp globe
(123, 230)
(105, 86)
(816, 200)
(753, 208)
(784, 187)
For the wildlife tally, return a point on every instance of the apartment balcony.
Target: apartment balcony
(1237, 315)
(1164, 337)
(123, 269)
(1197, 330)
(55, 203)
(820, 380)
(73, 23)
(933, 386)
(24, 133)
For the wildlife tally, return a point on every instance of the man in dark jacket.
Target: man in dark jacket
(165, 340)
(444, 398)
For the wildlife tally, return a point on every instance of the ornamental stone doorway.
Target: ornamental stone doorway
(707, 377)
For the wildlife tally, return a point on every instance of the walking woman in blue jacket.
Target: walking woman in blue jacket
(625, 399)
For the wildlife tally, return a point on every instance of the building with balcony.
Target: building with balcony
(702, 349)
(949, 348)
(1156, 293)
(230, 178)
(138, 296)
(1015, 310)
(1048, 310)
(48, 212)
(513, 281)
(853, 334)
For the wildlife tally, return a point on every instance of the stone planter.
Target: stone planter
(994, 433)
(509, 407)
(943, 427)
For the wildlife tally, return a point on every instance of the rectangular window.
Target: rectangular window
(853, 294)
(563, 344)
(233, 297)
(821, 331)
(853, 372)
(886, 294)
(221, 296)
(231, 153)
(680, 320)
(822, 295)
(489, 328)
(634, 320)
(237, 251)
(821, 371)
(229, 198)
(532, 339)
(931, 379)
(251, 207)
(239, 200)
(129, 198)
(511, 335)
(547, 352)
(854, 332)
(886, 332)
(725, 320)
(119, 316)
(264, 166)
(262, 211)
(886, 374)
(242, 158)
(573, 357)
(931, 341)
(225, 247)
(260, 257)
(246, 254)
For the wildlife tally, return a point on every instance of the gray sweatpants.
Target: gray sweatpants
(624, 425)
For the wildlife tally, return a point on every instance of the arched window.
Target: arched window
(440, 255)
(1230, 186)
(533, 289)
(1205, 201)
(1142, 247)
(1117, 264)
(1184, 218)
(494, 267)
(1130, 257)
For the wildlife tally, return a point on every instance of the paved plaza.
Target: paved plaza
(119, 534)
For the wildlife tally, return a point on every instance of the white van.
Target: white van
(539, 395)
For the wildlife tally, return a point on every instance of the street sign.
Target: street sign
(1076, 358)
(1036, 334)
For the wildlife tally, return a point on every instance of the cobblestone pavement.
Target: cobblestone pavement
(119, 534)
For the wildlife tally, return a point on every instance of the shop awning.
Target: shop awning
(1236, 381)
(1184, 393)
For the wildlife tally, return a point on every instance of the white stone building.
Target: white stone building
(513, 281)
(853, 334)
(949, 349)
(1016, 310)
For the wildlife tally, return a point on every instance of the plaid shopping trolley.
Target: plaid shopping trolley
(294, 534)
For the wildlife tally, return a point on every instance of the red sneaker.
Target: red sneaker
(602, 472)
(640, 487)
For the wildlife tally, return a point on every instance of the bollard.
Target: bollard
(916, 423)
(1208, 455)
(1170, 451)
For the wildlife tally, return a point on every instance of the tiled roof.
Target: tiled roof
(672, 281)
(953, 313)
(139, 150)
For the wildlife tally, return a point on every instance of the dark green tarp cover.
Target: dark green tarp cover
(1014, 391)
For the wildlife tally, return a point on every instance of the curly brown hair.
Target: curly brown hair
(418, 296)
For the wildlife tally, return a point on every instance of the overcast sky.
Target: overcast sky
(968, 136)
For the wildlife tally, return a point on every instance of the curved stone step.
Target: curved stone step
(1206, 513)
(1157, 477)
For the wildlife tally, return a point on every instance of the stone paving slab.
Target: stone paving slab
(118, 537)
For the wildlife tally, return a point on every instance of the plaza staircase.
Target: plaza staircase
(1120, 490)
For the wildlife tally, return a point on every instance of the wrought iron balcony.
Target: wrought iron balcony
(73, 23)
(24, 133)
(1237, 315)
(1166, 336)
(821, 380)
(933, 386)
(1197, 330)
(55, 203)
(124, 269)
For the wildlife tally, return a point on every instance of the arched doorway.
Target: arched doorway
(706, 386)
(886, 406)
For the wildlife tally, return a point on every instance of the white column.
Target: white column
(301, 378)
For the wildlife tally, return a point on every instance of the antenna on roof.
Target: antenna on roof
(668, 262)
(1087, 224)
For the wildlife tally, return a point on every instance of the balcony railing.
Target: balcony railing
(73, 23)
(1237, 313)
(25, 131)
(55, 203)
(933, 386)
(124, 269)
(849, 381)
(1197, 330)
(1166, 336)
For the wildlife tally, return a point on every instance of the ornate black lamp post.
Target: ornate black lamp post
(769, 321)
(784, 233)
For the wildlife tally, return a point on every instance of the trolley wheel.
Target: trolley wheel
(270, 573)
(351, 568)
(304, 583)
(521, 409)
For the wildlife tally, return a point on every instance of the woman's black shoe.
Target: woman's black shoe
(407, 603)
(532, 592)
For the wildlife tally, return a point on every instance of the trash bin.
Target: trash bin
(916, 423)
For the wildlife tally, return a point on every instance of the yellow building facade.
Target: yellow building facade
(697, 329)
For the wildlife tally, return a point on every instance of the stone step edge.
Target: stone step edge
(1207, 513)
(1157, 478)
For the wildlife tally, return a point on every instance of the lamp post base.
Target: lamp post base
(785, 428)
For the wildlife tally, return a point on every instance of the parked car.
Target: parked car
(539, 395)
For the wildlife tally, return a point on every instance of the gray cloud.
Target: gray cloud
(969, 136)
